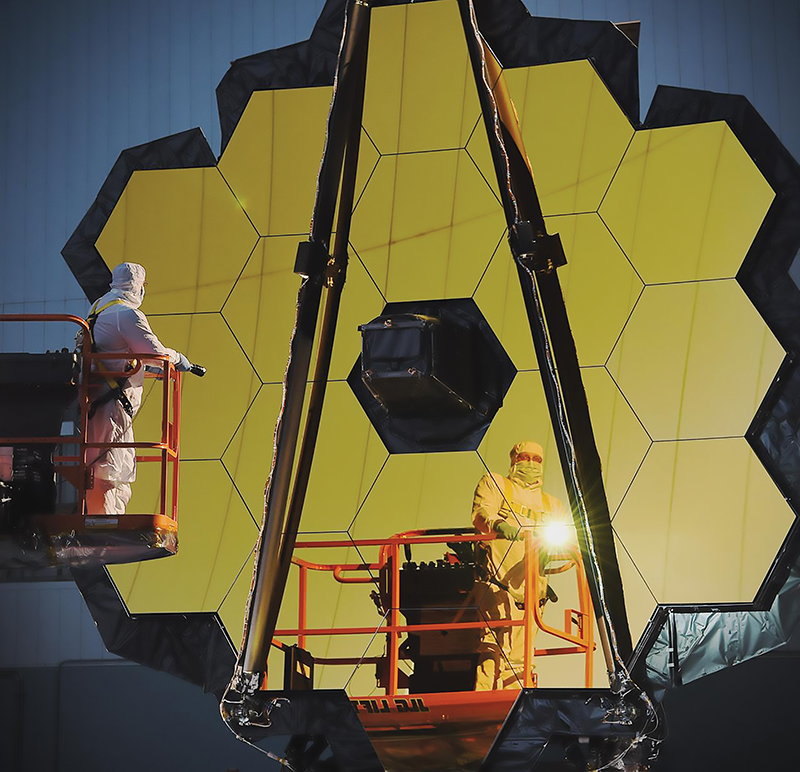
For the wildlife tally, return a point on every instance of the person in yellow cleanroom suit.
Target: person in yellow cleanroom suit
(505, 505)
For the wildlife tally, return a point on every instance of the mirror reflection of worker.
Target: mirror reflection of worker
(504, 505)
(117, 325)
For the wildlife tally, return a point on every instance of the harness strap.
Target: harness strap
(116, 387)
(508, 491)
(107, 396)
(550, 595)
(521, 509)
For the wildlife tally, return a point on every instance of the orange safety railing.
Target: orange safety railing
(76, 468)
(578, 630)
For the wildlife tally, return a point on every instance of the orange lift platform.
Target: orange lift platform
(432, 622)
(45, 471)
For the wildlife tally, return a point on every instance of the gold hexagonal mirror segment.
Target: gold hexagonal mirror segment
(599, 284)
(420, 90)
(261, 308)
(248, 456)
(214, 543)
(426, 226)
(419, 490)
(272, 167)
(703, 521)
(211, 407)
(621, 440)
(695, 360)
(686, 203)
(188, 231)
(348, 457)
(574, 132)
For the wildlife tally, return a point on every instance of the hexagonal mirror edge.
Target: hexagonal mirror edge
(194, 647)
(772, 436)
(683, 643)
(185, 150)
(518, 39)
(764, 274)
(521, 40)
(308, 63)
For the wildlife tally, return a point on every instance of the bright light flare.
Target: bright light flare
(557, 534)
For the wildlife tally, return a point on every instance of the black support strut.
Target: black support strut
(319, 268)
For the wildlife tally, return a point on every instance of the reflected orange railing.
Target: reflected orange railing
(581, 640)
(74, 468)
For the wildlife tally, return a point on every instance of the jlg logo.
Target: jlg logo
(400, 705)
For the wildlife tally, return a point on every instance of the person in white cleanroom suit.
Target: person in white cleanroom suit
(505, 505)
(120, 327)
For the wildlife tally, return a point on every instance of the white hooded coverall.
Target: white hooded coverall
(122, 328)
(525, 505)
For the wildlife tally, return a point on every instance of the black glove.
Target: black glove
(197, 370)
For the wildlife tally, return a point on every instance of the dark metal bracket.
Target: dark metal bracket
(311, 259)
(538, 252)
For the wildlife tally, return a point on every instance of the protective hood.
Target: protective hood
(127, 283)
(528, 474)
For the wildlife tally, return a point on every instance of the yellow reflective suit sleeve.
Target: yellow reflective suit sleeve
(487, 503)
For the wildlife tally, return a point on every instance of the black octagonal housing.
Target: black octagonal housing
(431, 375)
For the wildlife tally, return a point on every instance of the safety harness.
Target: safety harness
(508, 491)
(508, 498)
(115, 386)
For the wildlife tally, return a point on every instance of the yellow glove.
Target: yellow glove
(507, 531)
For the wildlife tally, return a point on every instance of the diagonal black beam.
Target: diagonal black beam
(336, 185)
(336, 273)
(537, 256)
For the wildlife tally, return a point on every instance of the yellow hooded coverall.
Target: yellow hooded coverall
(516, 501)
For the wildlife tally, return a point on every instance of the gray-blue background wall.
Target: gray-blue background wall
(81, 80)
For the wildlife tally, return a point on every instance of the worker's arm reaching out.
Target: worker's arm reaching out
(142, 340)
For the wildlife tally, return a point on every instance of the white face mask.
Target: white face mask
(527, 473)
